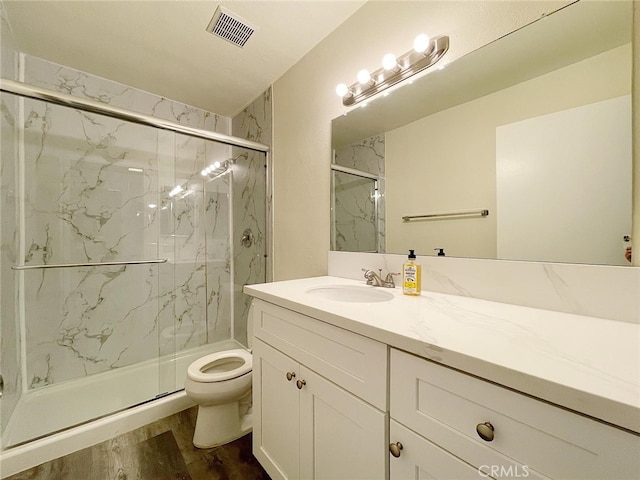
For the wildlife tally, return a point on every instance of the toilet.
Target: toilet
(220, 383)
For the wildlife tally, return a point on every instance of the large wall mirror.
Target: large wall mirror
(520, 150)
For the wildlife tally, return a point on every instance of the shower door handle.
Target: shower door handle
(1, 385)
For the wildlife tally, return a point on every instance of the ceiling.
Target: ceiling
(163, 47)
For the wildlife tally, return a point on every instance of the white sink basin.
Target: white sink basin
(351, 293)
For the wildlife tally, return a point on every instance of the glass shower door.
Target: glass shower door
(11, 379)
(212, 229)
(87, 270)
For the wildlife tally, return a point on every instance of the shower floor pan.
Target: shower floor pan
(59, 407)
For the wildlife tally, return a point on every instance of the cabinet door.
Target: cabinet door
(341, 436)
(276, 412)
(421, 460)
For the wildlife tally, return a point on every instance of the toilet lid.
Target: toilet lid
(220, 366)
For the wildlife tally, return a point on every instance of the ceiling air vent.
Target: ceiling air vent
(231, 27)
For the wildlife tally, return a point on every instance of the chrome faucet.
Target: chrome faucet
(376, 280)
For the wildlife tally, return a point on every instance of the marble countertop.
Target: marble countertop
(589, 365)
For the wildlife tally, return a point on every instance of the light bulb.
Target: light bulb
(216, 165)
(421, 43)
(342, 89)
(389, 62)
(364, 77)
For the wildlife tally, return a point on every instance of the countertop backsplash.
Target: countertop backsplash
(593, 290)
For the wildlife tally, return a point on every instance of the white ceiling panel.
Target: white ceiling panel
(163, 46)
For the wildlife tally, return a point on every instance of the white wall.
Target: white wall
(563, 184)
(305, 102)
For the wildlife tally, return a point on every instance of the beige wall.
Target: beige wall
(446, 162)
(305, 102)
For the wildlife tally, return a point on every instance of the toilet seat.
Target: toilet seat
(220, 366)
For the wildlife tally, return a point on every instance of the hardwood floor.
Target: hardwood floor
(159, 451)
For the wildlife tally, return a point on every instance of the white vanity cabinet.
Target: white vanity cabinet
(367, 388)
(319, 398)
(453, 425)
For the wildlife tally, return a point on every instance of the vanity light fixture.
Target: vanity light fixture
(425, 53)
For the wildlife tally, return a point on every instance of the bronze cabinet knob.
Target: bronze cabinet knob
(395, 448)
(485, 430)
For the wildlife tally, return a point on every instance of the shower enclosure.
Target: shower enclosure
(126, 241)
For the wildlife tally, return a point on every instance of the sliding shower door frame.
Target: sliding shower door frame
(24, 91)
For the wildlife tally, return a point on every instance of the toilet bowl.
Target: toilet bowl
(220, 383)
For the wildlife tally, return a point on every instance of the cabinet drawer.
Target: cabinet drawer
(356, 363)
(446, 406)
(420, 459)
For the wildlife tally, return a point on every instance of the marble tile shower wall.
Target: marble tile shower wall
(98, 189)
(354, 213)
(249, 206)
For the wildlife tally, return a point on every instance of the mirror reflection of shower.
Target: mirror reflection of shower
(358, 196)
(218, 168)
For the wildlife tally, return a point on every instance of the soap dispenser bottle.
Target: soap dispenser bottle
(411, 276)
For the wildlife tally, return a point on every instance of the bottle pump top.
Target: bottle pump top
(440, 251)
(412, 254)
